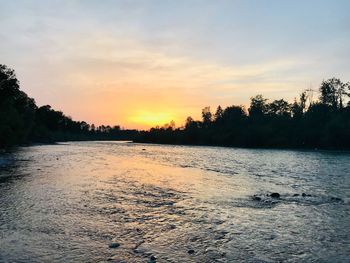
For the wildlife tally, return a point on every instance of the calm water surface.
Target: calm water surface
(69, 202)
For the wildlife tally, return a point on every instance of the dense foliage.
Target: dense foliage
(22, 121)
(305, 123)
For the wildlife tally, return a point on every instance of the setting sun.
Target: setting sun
(151, 118)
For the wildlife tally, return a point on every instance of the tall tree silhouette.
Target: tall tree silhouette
(206, 116)
(333, 92)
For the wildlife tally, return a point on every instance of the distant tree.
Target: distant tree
(332, 93)
(278, 108)
(189, 122)
(233, 115)
(116, 128)
(169, 126)
(206, 117)
(9, 85)
(172, 125)
(298, 108)
(258, 106)
(218, 114)
(303, 99)
(347, 92)
(192, 124)
(85, 127)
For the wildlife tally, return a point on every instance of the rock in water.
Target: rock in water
(114, 245)
(275, 195)
(337, 199)
(153, 258)
(304, 195)
(256, 198)
(190, 251)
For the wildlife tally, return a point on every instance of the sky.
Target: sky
(143, 63)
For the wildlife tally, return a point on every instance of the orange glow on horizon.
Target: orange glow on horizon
(151, 118)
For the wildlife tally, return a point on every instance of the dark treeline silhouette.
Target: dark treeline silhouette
(22, 121)
(324, 123)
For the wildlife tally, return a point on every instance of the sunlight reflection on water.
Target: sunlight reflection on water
(68, 202)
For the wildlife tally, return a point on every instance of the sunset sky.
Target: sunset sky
(143, 63)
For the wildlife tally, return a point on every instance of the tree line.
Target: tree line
(22, 121)
(304, 123)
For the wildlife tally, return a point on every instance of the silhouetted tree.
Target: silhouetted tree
(169, 126)
(218, 114)
(189, 122)
(298, 108)
(279, 108)
(206, 117)
(17, 110)
(258, 106)
(303, 99)
(233, 115)
(332, 93)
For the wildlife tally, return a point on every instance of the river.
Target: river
(70, 202)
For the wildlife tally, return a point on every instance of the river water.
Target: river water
(69, 202)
